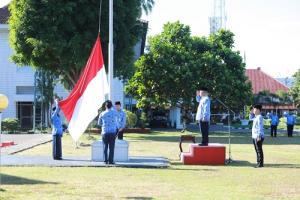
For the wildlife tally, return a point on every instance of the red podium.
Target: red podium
(213, 154)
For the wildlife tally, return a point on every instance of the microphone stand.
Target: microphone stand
(230, 160)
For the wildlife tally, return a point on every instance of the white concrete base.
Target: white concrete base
(120, 155)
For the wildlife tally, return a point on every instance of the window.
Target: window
(27, 90)
(25, 114)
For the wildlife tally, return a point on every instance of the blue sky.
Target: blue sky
(267, 30)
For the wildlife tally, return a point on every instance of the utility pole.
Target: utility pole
(111, 51)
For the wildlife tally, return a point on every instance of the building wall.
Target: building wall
(12, 76)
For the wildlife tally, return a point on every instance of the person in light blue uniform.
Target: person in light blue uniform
(203, 114)
(57, 132)
(258, 135)
(290, 122)
(274, 123)
(108, 122)
(121, 120)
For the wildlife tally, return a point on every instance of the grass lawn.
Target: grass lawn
(280, 179)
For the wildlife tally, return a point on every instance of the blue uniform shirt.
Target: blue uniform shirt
(108, 121)
(274, 120)
(57, 128)
(121, 119)
(290, 120)
(203, 111)
(258, 127)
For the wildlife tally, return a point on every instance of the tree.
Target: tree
(45, 83)
(58, 36)
(177, 64)
(295, 90)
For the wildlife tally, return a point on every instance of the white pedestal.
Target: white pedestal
(120, 155)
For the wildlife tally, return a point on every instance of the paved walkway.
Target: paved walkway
(47, 161)
(23, 142)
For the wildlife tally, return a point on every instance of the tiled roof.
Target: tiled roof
(4, 14)
(261, 81)
(280, 107)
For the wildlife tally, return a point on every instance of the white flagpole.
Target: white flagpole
(110, 51)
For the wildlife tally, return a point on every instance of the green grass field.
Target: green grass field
(280, 179)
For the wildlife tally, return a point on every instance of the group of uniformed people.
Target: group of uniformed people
(258, 136)
(112, 122)
(274, 122)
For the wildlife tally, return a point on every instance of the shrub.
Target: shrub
(11, 125)
(131, 119)
(142, 120)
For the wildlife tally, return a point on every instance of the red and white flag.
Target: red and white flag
(87, 96)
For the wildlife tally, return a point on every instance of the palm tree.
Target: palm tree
(147, 5)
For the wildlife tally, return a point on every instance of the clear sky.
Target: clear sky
(267, 30)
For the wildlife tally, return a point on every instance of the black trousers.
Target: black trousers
(56, 147)
(259, 151)
(204, 127)
(109, 143)
(120, 135)
(273, 130)
(290, 129)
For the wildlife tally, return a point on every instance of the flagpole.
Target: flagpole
(110, 50)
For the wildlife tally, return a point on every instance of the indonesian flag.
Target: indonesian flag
(87, 96)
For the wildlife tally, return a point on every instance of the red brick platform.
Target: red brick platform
(213, 154)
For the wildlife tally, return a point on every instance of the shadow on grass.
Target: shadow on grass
(235, 163)
(295, 166)
(142, 198)
(241, 163)
(15, 180)
(193, 169)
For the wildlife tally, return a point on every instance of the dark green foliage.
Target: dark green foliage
(11, 125)
(58, 35)
(177, 64)
(295, 90)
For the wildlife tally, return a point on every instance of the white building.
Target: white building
(17, 83)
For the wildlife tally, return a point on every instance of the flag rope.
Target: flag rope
(100, 8)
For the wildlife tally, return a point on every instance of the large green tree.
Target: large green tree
(295, 90)
(177, 64)
(57, 36)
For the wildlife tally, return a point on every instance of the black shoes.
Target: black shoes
(110, 163)
(203, 144)
(259, 166)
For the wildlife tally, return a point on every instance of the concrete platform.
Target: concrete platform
(69, 161)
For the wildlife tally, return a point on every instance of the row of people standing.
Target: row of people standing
(274, 122)
(112, 122)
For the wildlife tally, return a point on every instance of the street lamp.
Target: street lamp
(3, 105)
